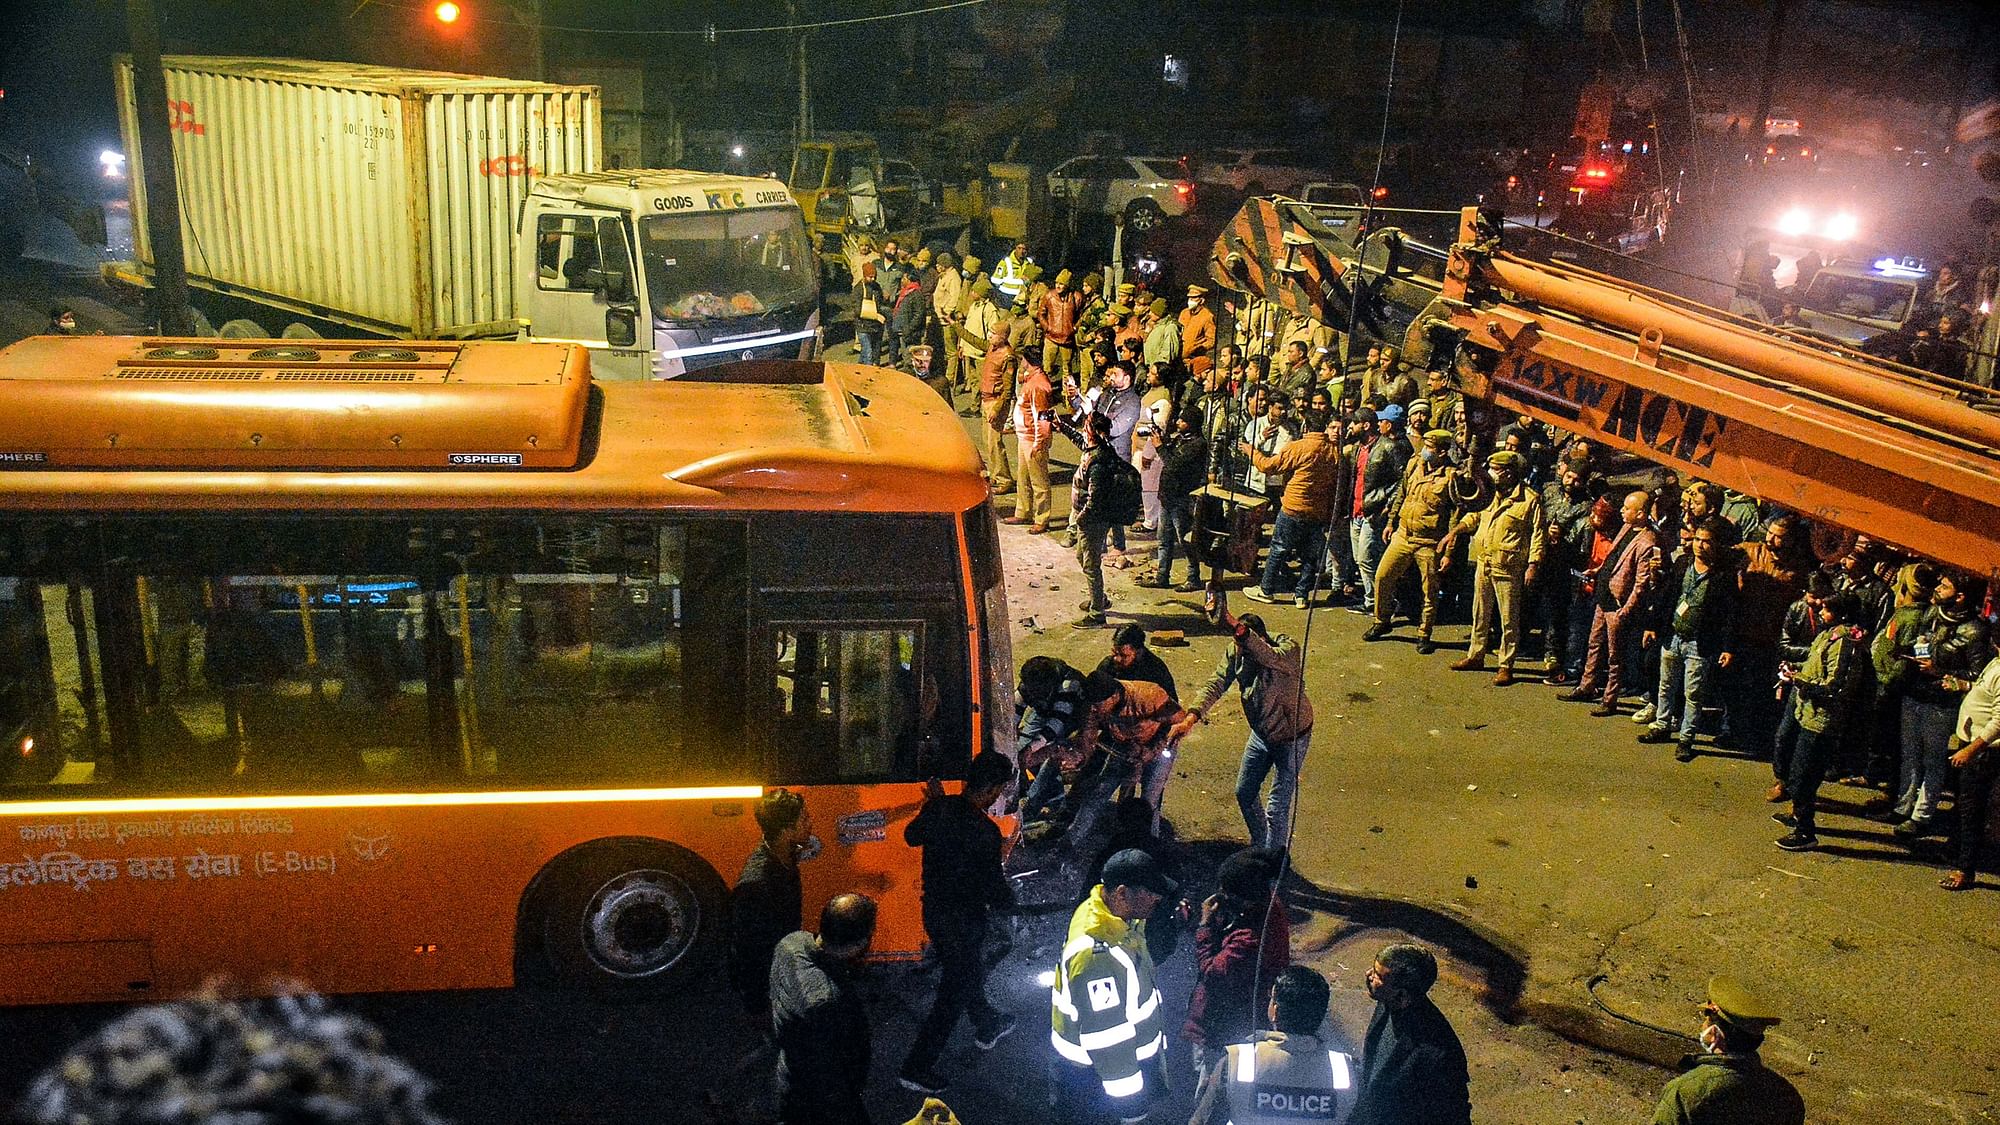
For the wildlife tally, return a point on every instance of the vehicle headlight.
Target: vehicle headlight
(1795, 222)
(1843, 227)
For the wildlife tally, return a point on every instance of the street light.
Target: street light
(446, 12)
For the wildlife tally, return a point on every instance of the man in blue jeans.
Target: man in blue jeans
(1698, 621)
(1304, 510)
(1269, 672)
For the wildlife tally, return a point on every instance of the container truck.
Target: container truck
(422, 205)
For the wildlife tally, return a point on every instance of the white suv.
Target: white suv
(1147, 190)
(1260, 171)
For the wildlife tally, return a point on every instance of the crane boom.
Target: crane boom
(1865, 447)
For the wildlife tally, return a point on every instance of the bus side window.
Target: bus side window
(849, 703)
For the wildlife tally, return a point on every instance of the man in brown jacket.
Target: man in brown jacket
(1506, 553)
(1621, 585)
(996, 397)
(1422, 505)
(1058, 313)
(1303, 511)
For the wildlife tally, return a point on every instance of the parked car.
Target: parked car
(1341, 194)
(1781, 123)
(1793, 151)
(1260, 171)
(1147, 190)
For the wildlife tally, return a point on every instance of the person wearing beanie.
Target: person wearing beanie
(1163, 337)
(1379, 460)
(975, 328)
(1058, 314)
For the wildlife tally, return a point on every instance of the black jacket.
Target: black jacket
(824, 1041)
(1387, 457)
(1149, 667)
(1412, 1070)
(962, 872)
(764, 907)
(1183, 465)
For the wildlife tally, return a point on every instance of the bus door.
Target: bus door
(861, 708)
(862, 693)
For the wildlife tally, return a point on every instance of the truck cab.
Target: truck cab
(844, 189)
(664, 272)
(1858, 302)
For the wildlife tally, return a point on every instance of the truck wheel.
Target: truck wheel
(1144, 216)
(627, 915)
(242, 328)
(297, 331)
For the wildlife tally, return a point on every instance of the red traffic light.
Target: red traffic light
(446, 12)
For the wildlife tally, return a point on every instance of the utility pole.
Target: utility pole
(1773, 40)
(804, 125)
(156, 154)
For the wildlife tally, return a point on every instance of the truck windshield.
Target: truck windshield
(728, 264)
(1871, 298)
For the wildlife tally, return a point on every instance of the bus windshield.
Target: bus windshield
(726, 265)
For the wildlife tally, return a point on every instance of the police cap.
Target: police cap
(1734, 1004)
(1442, 439)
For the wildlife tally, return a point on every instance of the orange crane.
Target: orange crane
(1882, 451)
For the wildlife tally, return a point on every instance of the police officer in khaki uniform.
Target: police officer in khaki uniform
(1289, 1074)
(1506, 553)
(1728, 1084)
(964, 369)
(1423, 506)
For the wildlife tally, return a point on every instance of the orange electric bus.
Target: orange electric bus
(438, 665)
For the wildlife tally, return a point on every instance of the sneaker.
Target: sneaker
(1786, 819)
(1301, 601)
(1656, 735)
(1645, 714)
(1426, 646)
(1604, 710)
(987, 1040)
(1684, 752)
(1913, 829)
(922, 1081)
(1796, 841)
(1257, 594)
(1088, 621)
(1375, 632)
(1188, 587)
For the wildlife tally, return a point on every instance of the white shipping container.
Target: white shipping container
(380, 198)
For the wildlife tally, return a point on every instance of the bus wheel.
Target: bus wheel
(631, 914)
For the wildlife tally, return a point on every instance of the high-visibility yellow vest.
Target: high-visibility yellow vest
(1105, 1008)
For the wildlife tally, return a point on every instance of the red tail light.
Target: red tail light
(1183, 189)
(1380, 193)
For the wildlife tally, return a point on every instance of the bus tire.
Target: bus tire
(626, 915)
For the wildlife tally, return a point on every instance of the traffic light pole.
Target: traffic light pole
(156, 156)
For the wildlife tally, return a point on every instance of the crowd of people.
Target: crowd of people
(1709, 617)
